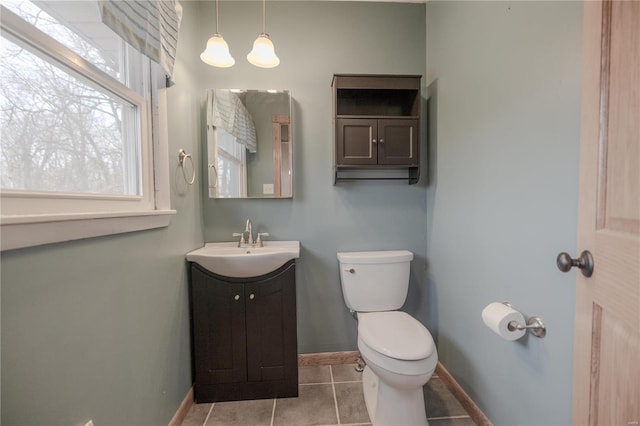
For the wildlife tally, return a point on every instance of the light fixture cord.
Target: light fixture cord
(217, 17)
(264, 16)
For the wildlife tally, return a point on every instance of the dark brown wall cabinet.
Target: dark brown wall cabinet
(244, 343)
(377, 127)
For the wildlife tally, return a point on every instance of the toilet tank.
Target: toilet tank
(375, 280)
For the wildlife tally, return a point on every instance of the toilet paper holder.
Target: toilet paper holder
(534, 324)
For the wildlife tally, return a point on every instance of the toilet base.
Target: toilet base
(370, 390)
(389, 406)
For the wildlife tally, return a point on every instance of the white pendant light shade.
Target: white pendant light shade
(263, 54)
(217, 53)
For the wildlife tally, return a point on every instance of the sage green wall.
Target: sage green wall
(502, 202)
(314, 40)
(99, 328)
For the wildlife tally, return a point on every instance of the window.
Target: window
(77, 149)
(232, 165)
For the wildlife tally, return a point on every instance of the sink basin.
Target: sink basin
(242, 262)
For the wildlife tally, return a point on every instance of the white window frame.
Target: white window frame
(35, 218)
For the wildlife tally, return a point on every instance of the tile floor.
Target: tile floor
(329, 395)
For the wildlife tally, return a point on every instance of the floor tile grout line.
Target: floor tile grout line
(273, 411)
(328, 383)
(448, 417)
(346, 424)
(335, 398)
(206, 419)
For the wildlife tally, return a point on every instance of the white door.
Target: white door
(606, 386)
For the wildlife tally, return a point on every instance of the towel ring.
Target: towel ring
(215, 181)
(182, 156)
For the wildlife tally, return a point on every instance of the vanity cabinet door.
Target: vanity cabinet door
(398, 143)
(218, 329)
(356, 141)
(272, 328)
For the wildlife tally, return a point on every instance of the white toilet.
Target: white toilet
(398, 349)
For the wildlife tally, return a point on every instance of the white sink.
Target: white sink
(241, 262)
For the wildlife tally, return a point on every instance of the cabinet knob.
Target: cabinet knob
(381, 140)
(374, 141)
(237, 297)
(252, 296)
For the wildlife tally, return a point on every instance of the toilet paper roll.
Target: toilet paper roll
(497, 317)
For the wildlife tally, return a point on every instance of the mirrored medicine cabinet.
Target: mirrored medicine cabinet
(249, 143)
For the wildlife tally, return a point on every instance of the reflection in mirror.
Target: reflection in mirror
(249, 145)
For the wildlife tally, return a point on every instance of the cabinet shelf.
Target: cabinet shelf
(377, 173)
(390, 117)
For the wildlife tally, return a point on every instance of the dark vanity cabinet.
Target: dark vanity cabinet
(244, 341)
(377, 126)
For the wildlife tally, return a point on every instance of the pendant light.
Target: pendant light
(263, 54)
(217, 51)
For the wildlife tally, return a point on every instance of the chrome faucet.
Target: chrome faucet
(246, 237)
(247, 230)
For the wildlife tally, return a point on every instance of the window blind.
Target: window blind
(150, 26)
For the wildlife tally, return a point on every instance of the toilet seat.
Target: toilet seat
(397, 342)
(395, 334)
(425, 366)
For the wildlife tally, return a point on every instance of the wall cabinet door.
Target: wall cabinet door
(363, 142)
(397, 142)
(218, 330)
(356, 141)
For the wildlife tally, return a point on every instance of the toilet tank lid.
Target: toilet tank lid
(386, 256)
(395, 334)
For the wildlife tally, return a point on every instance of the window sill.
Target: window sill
(34, 230)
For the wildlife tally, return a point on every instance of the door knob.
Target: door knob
(584, 262)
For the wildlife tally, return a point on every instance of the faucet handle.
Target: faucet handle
(259, 239)
(241, 235)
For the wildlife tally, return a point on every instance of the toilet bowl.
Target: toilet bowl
(398, 349)
(401, 357)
